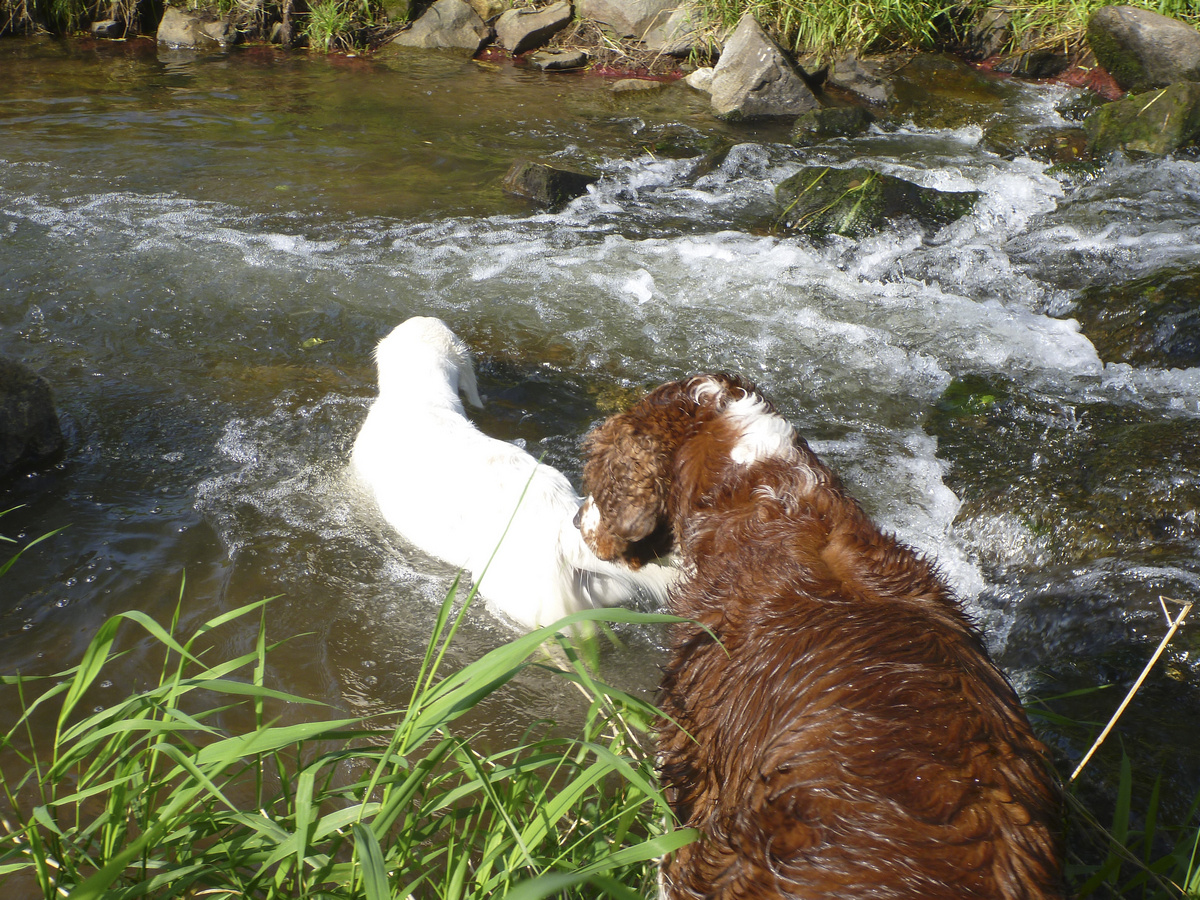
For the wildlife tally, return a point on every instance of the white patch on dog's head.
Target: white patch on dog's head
(588, 518)
(763, 434)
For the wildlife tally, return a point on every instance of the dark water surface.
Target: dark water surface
(199, 253)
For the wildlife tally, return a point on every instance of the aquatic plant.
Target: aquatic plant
(158, 795)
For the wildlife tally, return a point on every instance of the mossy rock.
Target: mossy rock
(820, 201)
(1154, 123)
(1085, 481)
(1151, 321)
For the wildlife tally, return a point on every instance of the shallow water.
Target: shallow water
(199, 253)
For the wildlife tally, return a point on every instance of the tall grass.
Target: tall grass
(828, 27)
(155, 796)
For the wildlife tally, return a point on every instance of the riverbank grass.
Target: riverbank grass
(161, 795)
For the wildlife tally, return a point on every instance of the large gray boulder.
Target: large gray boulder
(447, 25)
(518, 30)
(753, 77)
(194, 29)
(29, 429)
(1142, 49)
(629, 18)
(1153, 123)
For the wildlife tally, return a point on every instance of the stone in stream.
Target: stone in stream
(1153, 123)
(557, 60)
(1153, 321)
(820, 201)
(448, 25)
(754, 78)
(545, 184)
(518, 30)
(194, 28)
(1143, 49)
(29, 429)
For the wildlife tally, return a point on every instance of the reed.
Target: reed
(157, 796)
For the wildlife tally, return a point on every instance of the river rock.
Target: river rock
(1154, 123)
(107, 28)
(819, 201)
(753, 78)
(1128, 480)
(518, 30)
(990, 34)
(1143, 49)
(194, 28)
(557, 60)
(679, 35)
(818, 125)
(448, 25)
(701, 79)
(629, 18)
(862, 77)
(1152, 321)
(545, 184)
(29, 429)
(636, 86)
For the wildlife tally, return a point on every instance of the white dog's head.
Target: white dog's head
(422, 354)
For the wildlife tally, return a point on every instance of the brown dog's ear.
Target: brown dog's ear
(623, 475)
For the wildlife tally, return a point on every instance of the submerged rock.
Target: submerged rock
(449, 25)
(753, 78)
(1067, 482)
(518, 30)
(1143, 49)
(820, 201)
(818, 125)
(545, 184)
(194, 28)
(940, 91)
(29, 429)
(1151, 321)
(1152, 124)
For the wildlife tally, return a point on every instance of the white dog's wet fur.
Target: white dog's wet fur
(451, 490)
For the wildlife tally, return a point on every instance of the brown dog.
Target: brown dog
(845, 734)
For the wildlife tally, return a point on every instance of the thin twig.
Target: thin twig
(1178, 620)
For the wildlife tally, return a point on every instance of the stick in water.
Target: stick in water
(1175, 623)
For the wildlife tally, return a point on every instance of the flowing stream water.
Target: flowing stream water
(199, 253)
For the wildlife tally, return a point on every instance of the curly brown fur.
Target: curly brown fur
(848, 735)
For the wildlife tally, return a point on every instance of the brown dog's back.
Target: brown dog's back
(844, 734)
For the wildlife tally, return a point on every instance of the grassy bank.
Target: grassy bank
(161, 795)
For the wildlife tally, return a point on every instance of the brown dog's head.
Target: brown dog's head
(631, 466)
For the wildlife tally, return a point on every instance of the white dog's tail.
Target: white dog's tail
(598, 583)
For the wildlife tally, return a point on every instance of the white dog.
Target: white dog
(462, 496)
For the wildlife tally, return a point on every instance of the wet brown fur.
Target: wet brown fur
(848, 736)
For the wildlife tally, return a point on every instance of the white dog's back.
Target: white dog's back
(454, 492)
